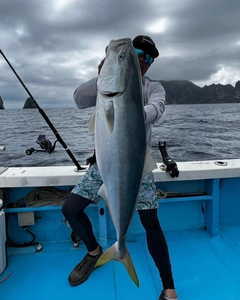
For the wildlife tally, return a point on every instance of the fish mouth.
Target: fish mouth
(111, 95)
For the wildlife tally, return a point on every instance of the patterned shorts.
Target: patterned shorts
(90, 183)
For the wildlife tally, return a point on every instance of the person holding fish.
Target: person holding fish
(127, 106)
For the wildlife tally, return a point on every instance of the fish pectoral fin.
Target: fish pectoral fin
(91, 123)
(109, 115)
(149, 164)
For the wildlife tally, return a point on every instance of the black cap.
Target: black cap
(146, 44)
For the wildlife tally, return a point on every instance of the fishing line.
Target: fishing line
(45, 117)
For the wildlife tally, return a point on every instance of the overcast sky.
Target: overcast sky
(55, 45)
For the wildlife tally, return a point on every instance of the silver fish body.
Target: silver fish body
(120, 142)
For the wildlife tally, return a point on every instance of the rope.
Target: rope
(161, 194)
(43, 196)
(52, 196)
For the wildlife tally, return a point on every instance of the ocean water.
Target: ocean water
(192, 133)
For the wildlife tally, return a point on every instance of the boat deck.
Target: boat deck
(204, 268)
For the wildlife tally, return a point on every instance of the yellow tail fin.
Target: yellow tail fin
(110, 254)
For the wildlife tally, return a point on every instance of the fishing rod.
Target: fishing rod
(45, 117)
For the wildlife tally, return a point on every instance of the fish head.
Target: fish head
(120, 64)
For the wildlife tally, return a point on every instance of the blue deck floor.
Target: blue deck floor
(204, 268)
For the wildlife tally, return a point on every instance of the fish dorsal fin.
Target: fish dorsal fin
(103, 193)
(149, 164)
(91, 123)
(109, 114)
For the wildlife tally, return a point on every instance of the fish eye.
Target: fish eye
(121, 56)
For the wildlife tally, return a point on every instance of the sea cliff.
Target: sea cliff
(186, 92)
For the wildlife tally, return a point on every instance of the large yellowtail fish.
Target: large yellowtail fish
(120, 140)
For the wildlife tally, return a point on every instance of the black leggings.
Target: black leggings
(73, 210)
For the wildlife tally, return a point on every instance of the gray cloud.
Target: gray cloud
(55, 48)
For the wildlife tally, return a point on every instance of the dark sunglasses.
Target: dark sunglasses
(147, 58)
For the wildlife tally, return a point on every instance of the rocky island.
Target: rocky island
(1, 103)
(29, 103)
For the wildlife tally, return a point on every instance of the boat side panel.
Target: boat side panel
(175, 214)
(50, 226)
(229, 194)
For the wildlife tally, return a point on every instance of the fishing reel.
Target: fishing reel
(45, 145)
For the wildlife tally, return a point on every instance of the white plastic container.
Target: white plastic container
(3, 256)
